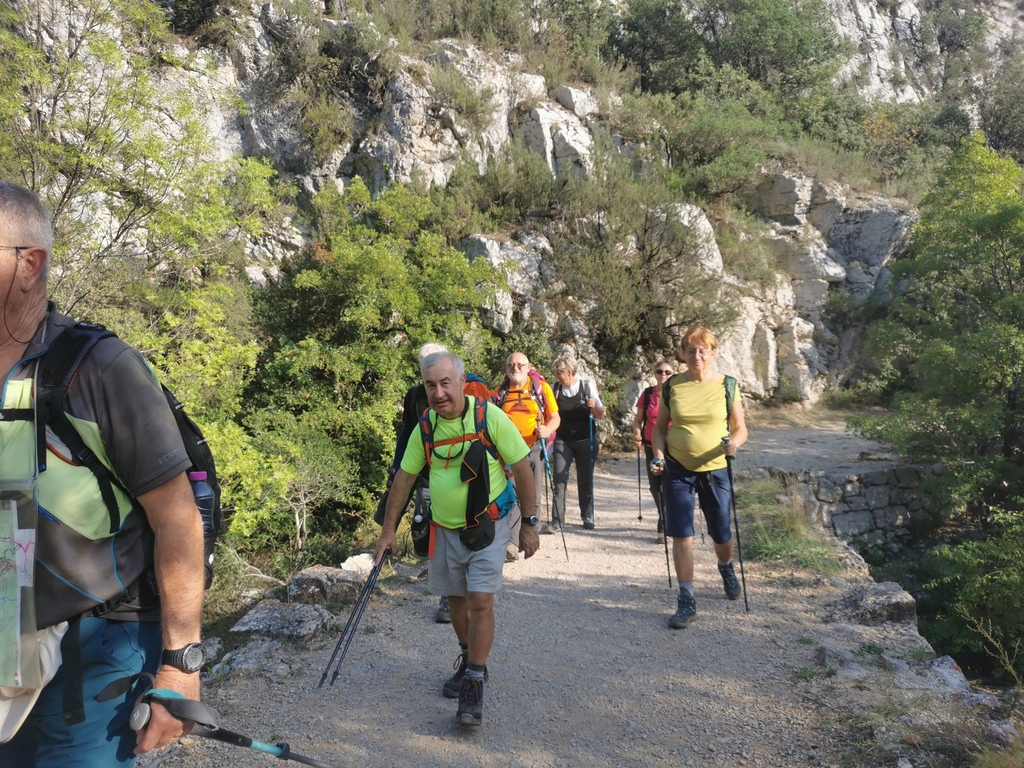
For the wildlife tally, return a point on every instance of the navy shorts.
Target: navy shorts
(680, 490)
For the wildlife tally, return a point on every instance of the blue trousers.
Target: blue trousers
(111, 650)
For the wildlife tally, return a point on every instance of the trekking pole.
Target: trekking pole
(353, 620)
(736, 522)
(639, 493)
(205, 719)
(550, 483)
(668, 567)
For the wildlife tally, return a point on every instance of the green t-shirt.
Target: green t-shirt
(447, 492)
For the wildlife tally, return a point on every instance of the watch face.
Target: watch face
(194, 657)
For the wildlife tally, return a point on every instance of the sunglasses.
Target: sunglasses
(662, 372)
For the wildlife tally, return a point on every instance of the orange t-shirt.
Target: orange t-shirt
(522, 407)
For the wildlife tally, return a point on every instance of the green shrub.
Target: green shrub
(453, 90)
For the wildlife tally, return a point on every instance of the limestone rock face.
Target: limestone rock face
(831, 245)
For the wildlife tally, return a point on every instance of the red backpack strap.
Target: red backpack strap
(537, 390)
(427, 434)
(480, 423)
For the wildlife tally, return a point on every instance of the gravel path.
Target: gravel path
(584, 670)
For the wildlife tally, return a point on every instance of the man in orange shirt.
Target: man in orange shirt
(534, 411)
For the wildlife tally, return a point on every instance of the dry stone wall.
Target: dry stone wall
(874, 509)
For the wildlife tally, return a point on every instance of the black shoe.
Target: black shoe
(686, 609)
(588, 524)
(471, 702)
(733, 590)
(453, 684)
(443, 615)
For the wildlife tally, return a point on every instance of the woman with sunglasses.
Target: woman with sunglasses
(643, 428)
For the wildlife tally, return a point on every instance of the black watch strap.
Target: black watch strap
(189, 659)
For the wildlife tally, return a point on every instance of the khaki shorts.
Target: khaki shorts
(455, 570)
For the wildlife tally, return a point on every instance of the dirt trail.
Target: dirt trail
(584, 670)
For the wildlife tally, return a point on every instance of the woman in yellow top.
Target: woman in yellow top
(700, 431)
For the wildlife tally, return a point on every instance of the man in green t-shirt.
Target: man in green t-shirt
(469, 576)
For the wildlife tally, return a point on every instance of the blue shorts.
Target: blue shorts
(111, 650)
(680, 490)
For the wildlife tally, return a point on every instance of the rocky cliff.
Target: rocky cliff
(828, 240)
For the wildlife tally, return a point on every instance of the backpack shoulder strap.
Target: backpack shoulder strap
(485, 436)
(666, 388)
(57, 372)
(730, 393)
(645, 403)
(427, 434)
(501, 393)
(730, 398)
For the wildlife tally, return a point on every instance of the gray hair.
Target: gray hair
(565, 363)
(26, 219)
(434, 358)
(430, 348)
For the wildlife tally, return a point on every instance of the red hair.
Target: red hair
(700, 336)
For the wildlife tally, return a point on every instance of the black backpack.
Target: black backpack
(57, 371)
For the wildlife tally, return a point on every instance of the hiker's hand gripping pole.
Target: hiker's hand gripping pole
(353, 620)
(205, 719)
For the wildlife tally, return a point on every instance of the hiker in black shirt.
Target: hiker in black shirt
(576, 440)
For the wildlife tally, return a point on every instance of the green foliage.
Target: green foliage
(718, 138)
(344, 320)
(454, 91)
(783, 45)
(626, 249)
(1001, 106)
(741, 239)
(516, 186)
(657, 39)
(975, 604)
(952, 342)
(119, 161)
(789, 45)
(951, 353)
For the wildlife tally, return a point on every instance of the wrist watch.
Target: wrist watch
(531, 520)
(189, 659)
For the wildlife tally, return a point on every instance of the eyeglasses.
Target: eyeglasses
(17, 247)
(514, 366)
(662, 372)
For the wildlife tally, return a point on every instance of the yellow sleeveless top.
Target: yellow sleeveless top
(699, 422)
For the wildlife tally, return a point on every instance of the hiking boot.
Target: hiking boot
(443, 615)
(552, 527)
(733, 590)
(471, 702)
(660, 539)
(588, 523)
(687, 609)
(453, 685)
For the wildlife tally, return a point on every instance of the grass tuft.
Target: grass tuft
(774, 528)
